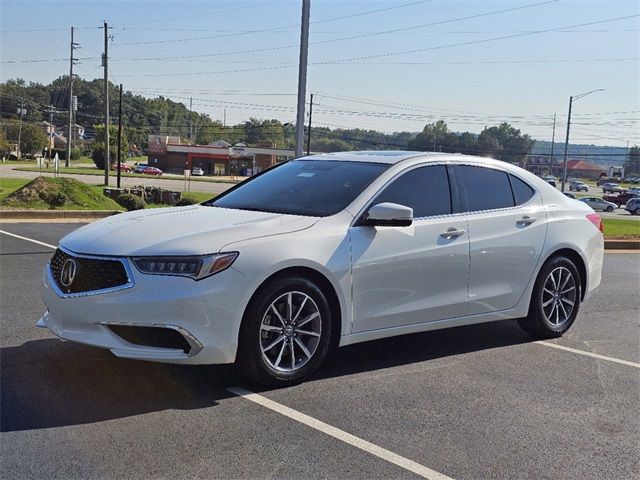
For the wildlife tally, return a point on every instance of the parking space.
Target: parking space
(477, 402)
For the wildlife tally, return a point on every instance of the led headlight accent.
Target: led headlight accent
(193, 267)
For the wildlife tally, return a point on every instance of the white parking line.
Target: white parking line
(28, 239)
(589, 354)
(341, 435)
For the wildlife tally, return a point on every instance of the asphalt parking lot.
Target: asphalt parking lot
(477, 402)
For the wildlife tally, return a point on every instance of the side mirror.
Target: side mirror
(388, 215)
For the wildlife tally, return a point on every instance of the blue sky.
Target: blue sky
(241, 56)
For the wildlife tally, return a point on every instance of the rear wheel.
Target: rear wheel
(285, 333)
(555, 300)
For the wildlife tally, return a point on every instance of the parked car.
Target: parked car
(140, 167)
(322, 251)
(611, 188)
(621, 198)
(550, 179)
(633, 206)
(123, 167)
(197, 171)
(578, 186)
(569, 195)
(599, 204)
(633, 190)
(152, 171)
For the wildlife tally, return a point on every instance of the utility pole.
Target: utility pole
(22, 111)
(119, 136)
(190, 111)
(224, 118)
(302, 76)
(553, 139)
(105, 64)
(67, 161)
(566, 142)
(309, 131)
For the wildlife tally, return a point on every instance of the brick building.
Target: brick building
(217, 158)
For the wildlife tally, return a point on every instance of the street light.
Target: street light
(566, 142)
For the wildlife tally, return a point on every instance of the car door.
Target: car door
(415, 274)
(507, 229)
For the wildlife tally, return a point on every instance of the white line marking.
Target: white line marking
(341, 435)
(28, 239)
(589, 354)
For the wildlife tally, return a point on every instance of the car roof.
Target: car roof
(375, 156)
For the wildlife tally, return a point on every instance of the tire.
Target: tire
(609, 209)
(549, 315)
(636, 211)
(270, 329)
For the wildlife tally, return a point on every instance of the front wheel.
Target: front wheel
(555, 299)
(609, 209)
(285, 332)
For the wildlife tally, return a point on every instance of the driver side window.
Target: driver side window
(425, 189)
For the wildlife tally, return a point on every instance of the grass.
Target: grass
(79, 196)
(10, 185)
(615, 228)
(95, 171)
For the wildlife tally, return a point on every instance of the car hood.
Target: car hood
(194, 230)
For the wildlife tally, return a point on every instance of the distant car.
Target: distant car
(569, 195)
(152, 171)
(550, 179)
(621, 198)
(612, 188)
(578, 186)
(140, 167)
(197, 172)
(123, 167)
(633, 206)
(633, 190)
(599, 204)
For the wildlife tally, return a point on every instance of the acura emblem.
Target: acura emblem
(68, 272)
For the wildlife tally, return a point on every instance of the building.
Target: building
(218, 158)
(582, 169)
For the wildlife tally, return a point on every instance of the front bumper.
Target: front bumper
(207, 313)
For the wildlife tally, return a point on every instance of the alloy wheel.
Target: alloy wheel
(290, 331)
(559, 296)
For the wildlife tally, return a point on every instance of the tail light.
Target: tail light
(597, 221)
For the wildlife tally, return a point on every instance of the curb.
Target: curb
(622, 244)
(55, 214)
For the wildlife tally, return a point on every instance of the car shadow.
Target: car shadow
(49, 383)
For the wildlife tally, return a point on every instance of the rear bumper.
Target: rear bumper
(206, 313)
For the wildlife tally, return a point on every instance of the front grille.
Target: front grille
(91, 274)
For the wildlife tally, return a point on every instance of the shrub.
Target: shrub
(183, 202)
(53, 199)
(131, 202)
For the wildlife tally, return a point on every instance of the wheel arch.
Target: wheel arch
(577, 260)
(323, 283)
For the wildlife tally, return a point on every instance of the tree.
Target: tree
(98, 146)
(434, 136)
(32, 138)
(632, 163)
(505, 143)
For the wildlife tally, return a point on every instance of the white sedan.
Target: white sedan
(327, 250)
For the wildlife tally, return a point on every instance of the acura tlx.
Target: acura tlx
(325, 251)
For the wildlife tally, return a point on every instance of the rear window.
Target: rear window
(522, 192)
(485, 188)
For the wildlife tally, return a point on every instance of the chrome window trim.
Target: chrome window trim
(193, 342)
(125, 262)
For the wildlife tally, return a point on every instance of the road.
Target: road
(480, 402)
(7, 171)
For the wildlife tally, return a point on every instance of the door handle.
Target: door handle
(451, 233)
(526, 220)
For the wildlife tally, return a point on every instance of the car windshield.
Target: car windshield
(315, 188)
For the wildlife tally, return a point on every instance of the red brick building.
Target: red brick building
(217, 158)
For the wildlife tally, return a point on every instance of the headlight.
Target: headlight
(197, 267)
